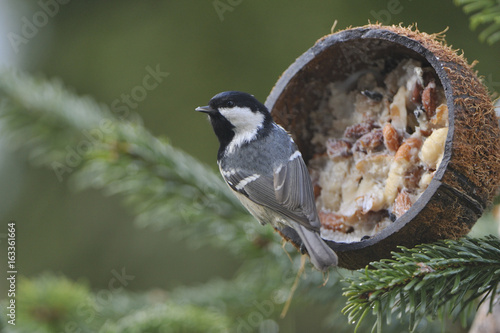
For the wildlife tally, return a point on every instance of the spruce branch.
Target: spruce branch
(43, 117)
(170, 317)
(166, 188)
(486, 12)
(430, 280)
(53, 303)
(84, 141)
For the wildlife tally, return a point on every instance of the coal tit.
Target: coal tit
(262, 165)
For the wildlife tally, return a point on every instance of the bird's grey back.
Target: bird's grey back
(274, 149)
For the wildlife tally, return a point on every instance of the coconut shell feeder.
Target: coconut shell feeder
(465, 181)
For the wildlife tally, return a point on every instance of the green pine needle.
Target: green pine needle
(453, 272)
(486, 12)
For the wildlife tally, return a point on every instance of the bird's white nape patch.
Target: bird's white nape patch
(284, 130)
(246, 180)
(246, 125)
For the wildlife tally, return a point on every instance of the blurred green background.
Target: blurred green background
(104, 49)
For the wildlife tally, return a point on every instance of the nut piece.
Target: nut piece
(358, 130)
(338, 148)
(334, 221)
(405, 158)
(433, 148)
(401, 204)
(409, 149)
(398, 110)
(416, 95)
(370, 141)
(391, 137)
(441, 117)
(429, 99)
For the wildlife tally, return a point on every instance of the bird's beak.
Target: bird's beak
(205, 109)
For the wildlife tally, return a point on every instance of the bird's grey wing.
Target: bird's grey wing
(288, 191)
(293, 188)
(256, 187)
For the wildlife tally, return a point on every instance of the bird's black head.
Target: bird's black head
(237, 118)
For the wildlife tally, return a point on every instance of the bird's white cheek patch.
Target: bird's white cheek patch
(246, 125)
(243, 119)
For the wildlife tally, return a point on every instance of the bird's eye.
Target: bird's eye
(229, 104)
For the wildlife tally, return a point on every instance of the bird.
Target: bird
(262, 165)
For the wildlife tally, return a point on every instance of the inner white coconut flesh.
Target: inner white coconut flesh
(379, 142)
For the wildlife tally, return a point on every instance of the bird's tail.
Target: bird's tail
(322, 256)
